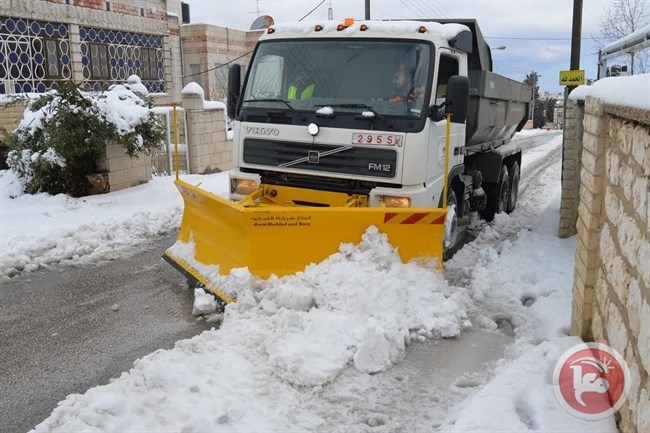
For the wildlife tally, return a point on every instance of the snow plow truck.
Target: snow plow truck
(325, 145)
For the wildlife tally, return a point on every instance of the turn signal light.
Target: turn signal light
(391, 201)
(348, 22)
(244, 186)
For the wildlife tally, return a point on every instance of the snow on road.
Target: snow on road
(359, 342)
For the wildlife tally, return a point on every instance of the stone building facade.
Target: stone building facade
(92, 42)
(100, 42)
(611, 292)
(206, 47)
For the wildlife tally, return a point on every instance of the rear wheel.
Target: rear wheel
(513, 194)
(497, 195)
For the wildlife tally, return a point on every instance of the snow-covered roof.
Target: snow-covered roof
(373, 29)
(629, 41)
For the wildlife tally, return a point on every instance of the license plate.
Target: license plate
(377, 139)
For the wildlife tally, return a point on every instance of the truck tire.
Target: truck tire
(497, 195)
(513, 194)
(451, 231)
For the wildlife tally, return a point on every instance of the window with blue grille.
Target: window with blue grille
(109, 56)
(34, 55)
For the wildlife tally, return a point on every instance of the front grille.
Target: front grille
(364, 161)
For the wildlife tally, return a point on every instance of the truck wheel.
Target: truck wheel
(497, 195)
(514, 174)
(451, 225)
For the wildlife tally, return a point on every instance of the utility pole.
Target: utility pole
(576, 34)
(367, 9)
(535, 79)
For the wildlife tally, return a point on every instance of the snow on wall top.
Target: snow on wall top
(626, 40)
(444, 31)
(632, 91)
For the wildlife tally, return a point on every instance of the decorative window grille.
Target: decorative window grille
(34, 55)
(109, 56)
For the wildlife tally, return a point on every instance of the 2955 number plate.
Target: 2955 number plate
(377, 139)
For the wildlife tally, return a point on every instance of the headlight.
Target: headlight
(391, 201)
(244, 186)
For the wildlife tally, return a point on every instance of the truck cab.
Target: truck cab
(358, 108)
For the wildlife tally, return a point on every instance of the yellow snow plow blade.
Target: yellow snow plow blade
(270, 234)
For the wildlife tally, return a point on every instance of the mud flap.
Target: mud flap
(282, 240)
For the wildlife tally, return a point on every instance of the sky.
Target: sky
(358, 342)
(536, 33)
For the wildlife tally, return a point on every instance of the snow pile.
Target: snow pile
(521, 398)
(282, 341)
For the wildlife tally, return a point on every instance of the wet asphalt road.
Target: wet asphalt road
(59, 333)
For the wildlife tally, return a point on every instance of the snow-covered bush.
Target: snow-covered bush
(64, 132)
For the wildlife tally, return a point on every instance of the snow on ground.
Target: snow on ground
(41, 231)
(359, 342)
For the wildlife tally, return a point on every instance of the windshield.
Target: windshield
(329, 77)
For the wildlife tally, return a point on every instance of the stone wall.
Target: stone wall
(571, 163)
(122, 170)
(611, 292)
(10, 115)
(207, 145)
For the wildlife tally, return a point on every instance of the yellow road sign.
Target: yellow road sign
(572, 78)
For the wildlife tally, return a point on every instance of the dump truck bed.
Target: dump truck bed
(499, 106)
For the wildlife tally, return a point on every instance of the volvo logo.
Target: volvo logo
(313, 157)
(257, 130)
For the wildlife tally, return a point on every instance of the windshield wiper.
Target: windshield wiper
(270, 100)
(360, 105)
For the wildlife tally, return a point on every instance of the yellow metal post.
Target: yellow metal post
(445, 187)
(175, 132)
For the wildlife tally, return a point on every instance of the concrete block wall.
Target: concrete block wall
(207, 145)
(611, 302)
(124, 171)
(10, 115)
(571, 163)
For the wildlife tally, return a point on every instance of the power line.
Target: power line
(537, 39)
(217, 67)
(311, 11)
(434, 8)
(418, 12)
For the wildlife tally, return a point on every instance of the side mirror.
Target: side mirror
(457, 102)
(234, 87)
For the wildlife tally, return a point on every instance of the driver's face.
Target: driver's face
(400, 79)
